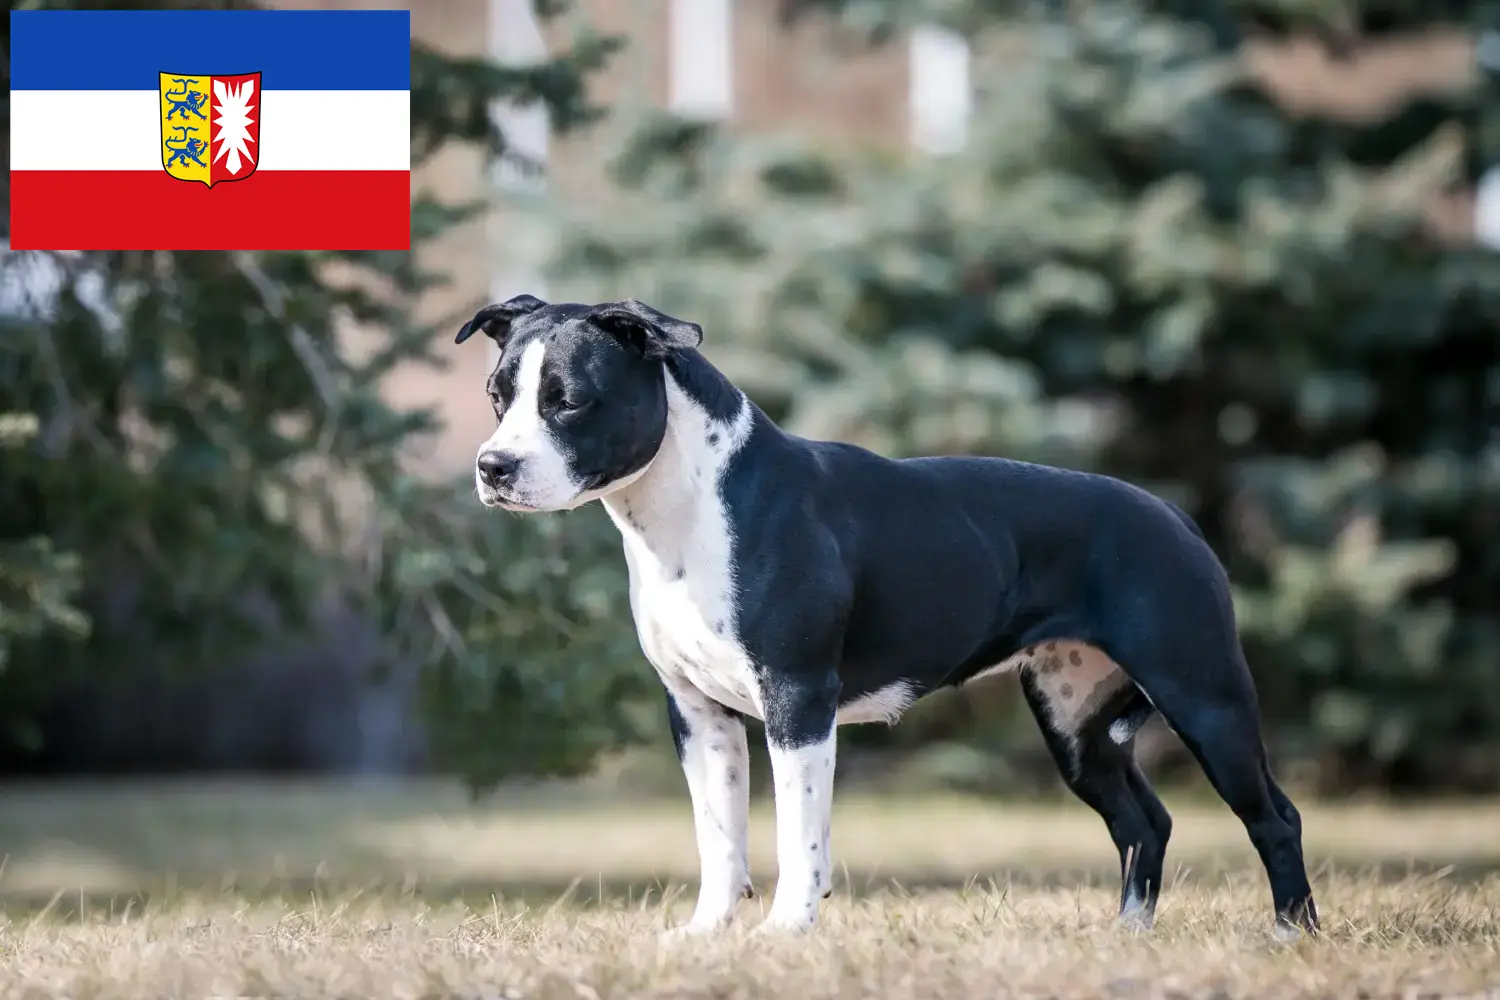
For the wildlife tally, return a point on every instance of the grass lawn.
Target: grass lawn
(407, 890)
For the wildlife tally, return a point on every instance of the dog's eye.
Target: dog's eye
(571, 405)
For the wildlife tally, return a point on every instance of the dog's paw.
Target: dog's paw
(1297, 923)
(692, 929)
(1136, 919)
(1286, 932)
(786, 924)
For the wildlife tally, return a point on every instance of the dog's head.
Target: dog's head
(580, 395)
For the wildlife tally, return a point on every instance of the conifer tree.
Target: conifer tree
(1141, 264)
(194, 461)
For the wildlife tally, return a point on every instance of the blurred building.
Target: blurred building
(312, 706)
(726, 59)
(733, 60)
(738, 61)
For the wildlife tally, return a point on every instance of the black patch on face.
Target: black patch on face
(602, 400)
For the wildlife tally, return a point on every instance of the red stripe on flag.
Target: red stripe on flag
(270, 210)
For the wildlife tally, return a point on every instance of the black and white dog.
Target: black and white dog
(810, 583)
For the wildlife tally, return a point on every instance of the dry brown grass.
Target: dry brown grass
(406, 892)
(1415, 937)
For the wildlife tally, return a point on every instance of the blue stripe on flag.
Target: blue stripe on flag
(292, 49)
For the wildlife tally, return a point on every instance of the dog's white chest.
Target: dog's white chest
(679, 548)
(686, 633)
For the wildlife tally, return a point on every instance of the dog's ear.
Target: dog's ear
(651, 330)
(495, 320)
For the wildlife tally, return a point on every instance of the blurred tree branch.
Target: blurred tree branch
(196, 461)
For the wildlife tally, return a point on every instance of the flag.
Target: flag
(210, 130)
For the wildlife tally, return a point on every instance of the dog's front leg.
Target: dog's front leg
(801, 734)
(710, 743)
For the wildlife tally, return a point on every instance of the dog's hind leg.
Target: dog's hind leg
(1227, 744)
(1092, 739)
(1212, 707)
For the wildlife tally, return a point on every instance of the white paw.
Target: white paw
(786, 924)
(1136, 918)
(1286, 932)
(712, 915)
(692, 929)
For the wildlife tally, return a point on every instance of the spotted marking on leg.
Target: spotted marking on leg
(1073, 671)
(803, 780)
(1075, 679)
(715, 757)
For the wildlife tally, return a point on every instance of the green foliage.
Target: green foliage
(530, 655)
(205, 462)
(452, 96)
(879, 20)
(1138, 264)
(37, 584)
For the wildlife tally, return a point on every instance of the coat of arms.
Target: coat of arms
(210, 126)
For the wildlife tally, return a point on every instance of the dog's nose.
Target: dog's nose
(498, 468)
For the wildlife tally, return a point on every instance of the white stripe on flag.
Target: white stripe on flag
(121, 130)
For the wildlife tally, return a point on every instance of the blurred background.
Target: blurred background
(1241, 252)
